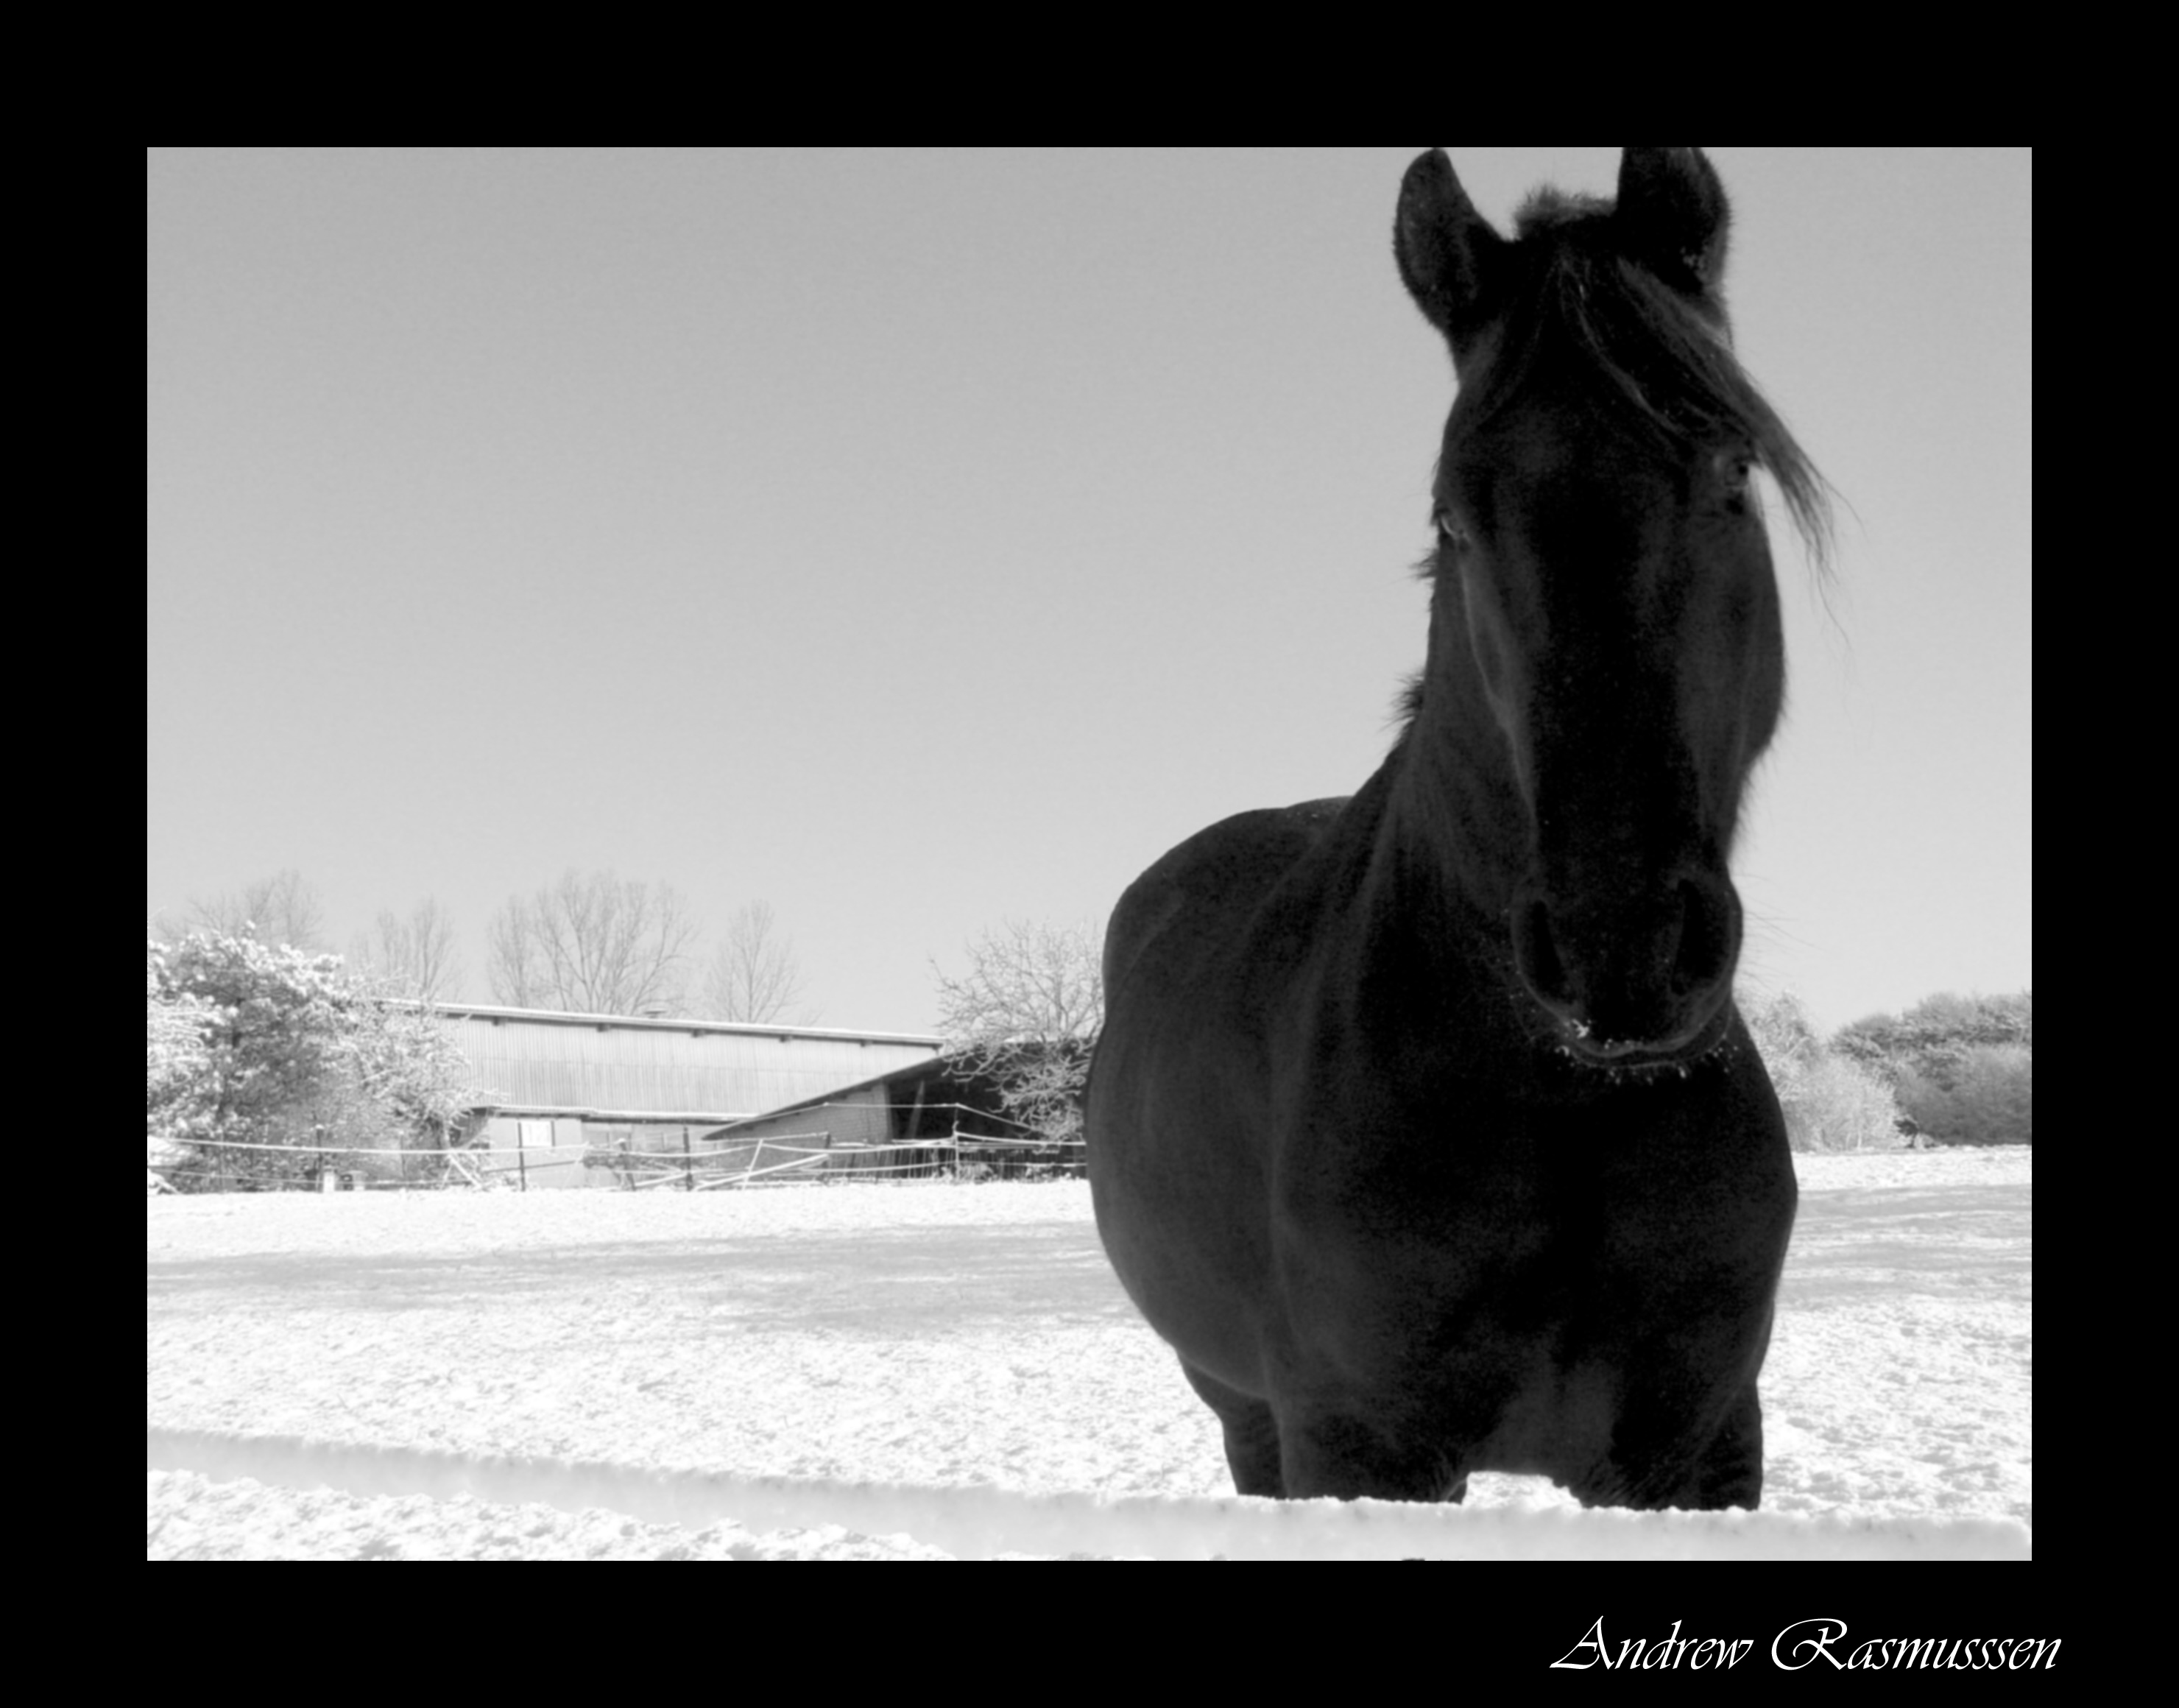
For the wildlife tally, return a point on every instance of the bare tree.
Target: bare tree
(514, 959)
(593, 944)
(276, 911)
(752, 975)
(413, 957)
(1026, 1013)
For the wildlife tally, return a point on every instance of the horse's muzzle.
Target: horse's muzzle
(1633, 982)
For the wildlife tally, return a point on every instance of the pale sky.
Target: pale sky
(917, 540)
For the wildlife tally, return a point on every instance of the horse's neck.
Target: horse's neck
(1454, 824)
(1390, 949)
(1402, 877)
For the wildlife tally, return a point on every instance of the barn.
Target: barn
(927, 1117)
(556, 1093)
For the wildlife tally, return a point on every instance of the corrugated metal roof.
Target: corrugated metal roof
(535, 1060)
(882, 1083)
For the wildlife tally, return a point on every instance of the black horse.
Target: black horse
(1422, 1124)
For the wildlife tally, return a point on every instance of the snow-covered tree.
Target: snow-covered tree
(179, 1086)
(291, 1054)
(1026, 1015)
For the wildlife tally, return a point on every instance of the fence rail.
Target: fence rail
(792, 1159)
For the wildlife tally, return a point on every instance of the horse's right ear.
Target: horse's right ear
(1446, 250)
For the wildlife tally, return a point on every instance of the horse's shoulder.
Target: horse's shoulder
(1241, 855)
(1220, 873)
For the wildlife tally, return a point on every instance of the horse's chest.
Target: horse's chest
(1511, 1280)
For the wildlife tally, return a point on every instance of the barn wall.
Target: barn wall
(853, 1117)
(574, 1063)
(602, 1101)
(543, 1151)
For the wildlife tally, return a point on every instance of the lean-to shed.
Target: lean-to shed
(555, 1087)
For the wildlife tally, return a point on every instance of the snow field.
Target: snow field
(455, 1366)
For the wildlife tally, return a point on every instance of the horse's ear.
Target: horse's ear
(1671, 217)
(1446, 250)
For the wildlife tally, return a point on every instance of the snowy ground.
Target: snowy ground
(917, 1337)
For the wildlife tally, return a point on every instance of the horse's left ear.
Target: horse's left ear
(1671, 217)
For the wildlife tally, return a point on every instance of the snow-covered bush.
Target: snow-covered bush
(1832, 1103)
(256, 1044)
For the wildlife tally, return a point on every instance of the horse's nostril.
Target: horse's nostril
(1536, 956)
(1708, 935)
(1631, 974)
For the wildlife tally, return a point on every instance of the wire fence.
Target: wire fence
(792, 1159)
(720, 1162)
(242, 1165)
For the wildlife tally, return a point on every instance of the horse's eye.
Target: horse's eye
(1450, 532)
(1734, 470)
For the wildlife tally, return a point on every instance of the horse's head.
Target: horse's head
(1606, 643)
